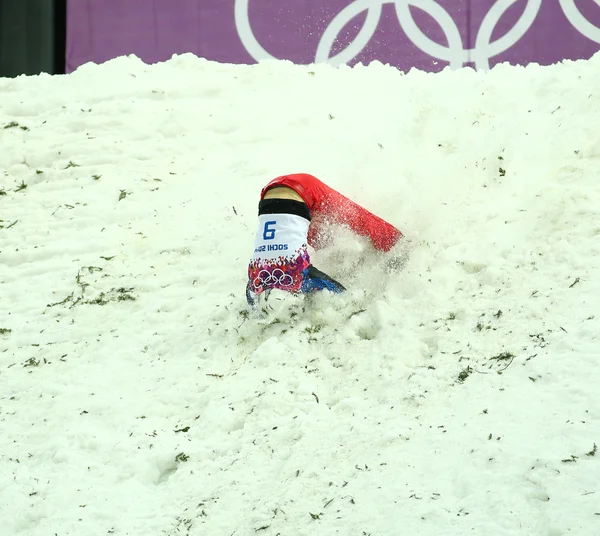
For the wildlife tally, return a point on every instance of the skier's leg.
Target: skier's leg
(316, 280)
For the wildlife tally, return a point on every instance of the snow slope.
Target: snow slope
(459, 396)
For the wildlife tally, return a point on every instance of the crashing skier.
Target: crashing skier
(291, 213)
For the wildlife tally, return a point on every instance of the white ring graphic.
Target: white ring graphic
(484, 49)
(578, 21)
(266, 279)
(337, 24)
(455, 53)
(242, 23)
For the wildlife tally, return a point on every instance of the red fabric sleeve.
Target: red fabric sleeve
(327, 205)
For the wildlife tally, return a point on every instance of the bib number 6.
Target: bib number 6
(269, 231)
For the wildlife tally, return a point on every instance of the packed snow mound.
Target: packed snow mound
(138, 393)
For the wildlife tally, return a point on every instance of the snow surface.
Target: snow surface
(458, 396)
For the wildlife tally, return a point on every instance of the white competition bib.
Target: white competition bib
(280, 235)
(280, 253)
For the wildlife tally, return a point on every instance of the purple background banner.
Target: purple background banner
(424, 34)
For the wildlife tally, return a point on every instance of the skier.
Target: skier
(291, 213)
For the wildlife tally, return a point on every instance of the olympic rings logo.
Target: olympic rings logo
(454, 53)
(277, 277)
